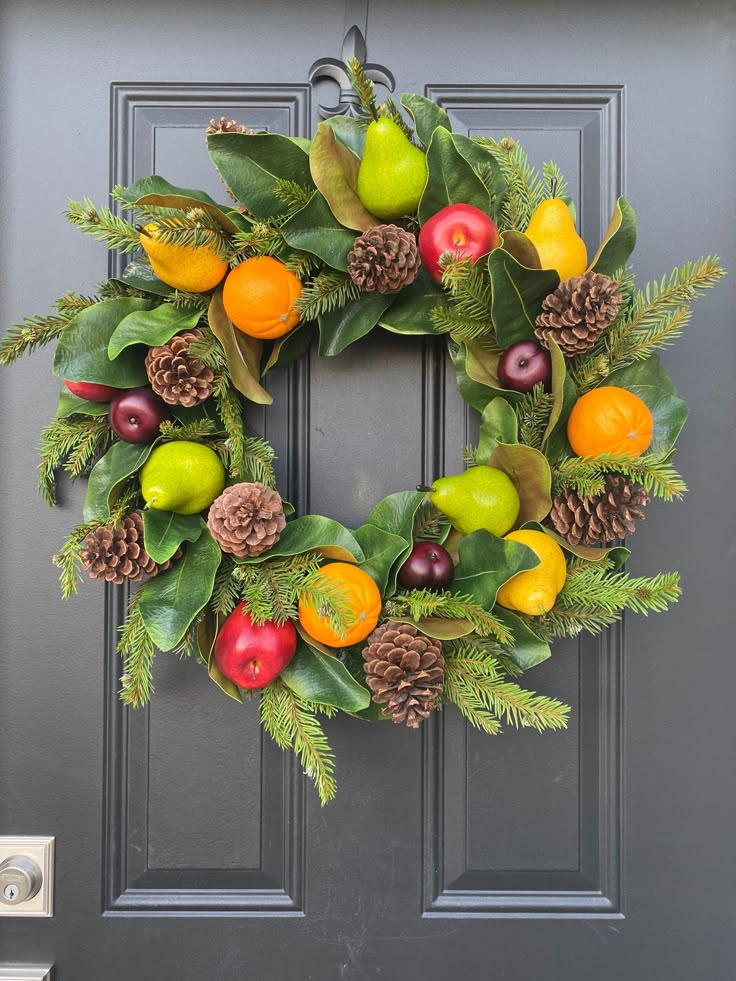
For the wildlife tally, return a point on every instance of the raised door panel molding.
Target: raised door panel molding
(529, 824)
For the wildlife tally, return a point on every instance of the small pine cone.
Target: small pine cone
(116, 552)
(225, 125)
(602, 518)
(176, 376)
(246, 519)
(405, 670)
(384, 259)
(578, 312)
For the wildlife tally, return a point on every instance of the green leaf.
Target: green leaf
(170, 602)
(121, 461)
(243, 352)
(517, 296)
(291, 347)
(439, 628)
(315, 229)
(71, 404)
(252, 166)
(530, 472)
(498, 425)
(158, 186)
(315, 533)
(521, 248)
(350, 132)
(207, 632)
(451, 179)
(486, 562)
(652, 384)
(139, 274)
(427, 115)
(527, 649)
(164, 531)
(618, 242)
(616, 553)
(395, 515)
(151, 327)
(325, 680)
(81, 354)
(410, 311)
(476, 371)
(340, 328)
(335, 172)
(563, 392)
(381, 549)
(479, 157)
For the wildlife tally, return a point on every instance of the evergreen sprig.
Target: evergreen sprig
(137, 650)
(192, 228)
(226, 591)
(524, 186)
(262, 239)
(302, 264)
(71, 444)
(292, 722)
(468, 316)
(429, 523)
(258, 457)
(103, 225)
(532, 413)
(326, 292)
(555, 185)
(196, 432)
(585, 475)
(389, 110)
(293, 196)
(362, 86)
(34, 332)
(419, 603)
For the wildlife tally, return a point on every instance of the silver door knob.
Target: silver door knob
(20, 879)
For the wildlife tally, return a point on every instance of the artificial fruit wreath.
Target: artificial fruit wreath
(447, 593)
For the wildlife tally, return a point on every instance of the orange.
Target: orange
(259, 296)
(364, 601)
(610, 420)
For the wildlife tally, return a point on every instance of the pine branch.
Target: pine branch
(137, 650)
(533, 412)
(429, 523)
(326, 292)
(302, 264)
(595, 588)
(114, 288)
(262, 239)
(293, 196)
(419, 603)
(71, 443)
(468, 317)
(292, 721)
(586, 475)
(555, 185)
(188, 301)
(389, 110)
(226, 591)
(194, 228)
(196, 432)
(362, 86)
(34, 332)
(258, 457)
(230, 411)
(103, 225)
(525, 188)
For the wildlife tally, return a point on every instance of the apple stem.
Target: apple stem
(423, 488)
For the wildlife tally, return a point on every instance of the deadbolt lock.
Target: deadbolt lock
(20, 879)
(26, 876)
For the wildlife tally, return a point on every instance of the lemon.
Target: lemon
(182, 476)
(535, 591)
(552, 230)
(194, 270)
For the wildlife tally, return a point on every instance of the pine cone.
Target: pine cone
(116, 552)
(246, 519)
(404, 669)
(176, 376)
(578, 312)
(384, 259)
(602, 518)
(225, 125)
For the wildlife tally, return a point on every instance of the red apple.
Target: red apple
(524, 365)
(136, 414)
(429, 566)
(252, 655)
(459, 228)
(92, 392)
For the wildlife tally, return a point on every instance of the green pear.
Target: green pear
(480, 498)
(182, 476)
(392, 173)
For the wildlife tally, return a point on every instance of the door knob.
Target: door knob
(20, 879)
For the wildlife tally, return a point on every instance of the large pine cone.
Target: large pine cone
(116, 552)
(176, 376)
(578, 312)
(600, 519)
(246, 519)
(384, 259)
(405, 671)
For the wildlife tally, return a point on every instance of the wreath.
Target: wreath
(448, 592)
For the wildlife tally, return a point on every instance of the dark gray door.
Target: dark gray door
(188, 847)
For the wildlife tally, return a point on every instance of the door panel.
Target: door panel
(188, 846)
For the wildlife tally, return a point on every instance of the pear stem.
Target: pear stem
(142, 231)
(424, 488)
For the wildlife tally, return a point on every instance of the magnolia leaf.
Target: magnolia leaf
(170, 601)
(410, 312)
(335, 172)
(349, 131)
(618, 242)
(564, 394)
(450, 178)
(291, 347)
(439, 628)
(81, 353)
(486, 562)
(207, 632)
(395, 515)
(313, 642)
(340, 328)
(151, 327)
(158, 192)
(527, 649)
(252, 165)
(426, 115)
(121, 461)
(381, 549)
(652, 384)
(617, 554)
(476, 371)
(517, 296)
(315, 229)
(164, 531)
(530, 472)
(71, 405)
(325, 680)
(521, 248)
(498, 425)
(139, 274)
(314, 533)
(243, 352)
(452, 544)
(479, 159)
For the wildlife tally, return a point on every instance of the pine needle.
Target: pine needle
(103, 225)
(586, 475)
(533, 412)
(326, 292)
(417, 604)
(192, 228)
(138, 652)
(362, 86)
(72, 443)
(468, 317)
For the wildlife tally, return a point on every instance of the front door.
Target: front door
(188, 846)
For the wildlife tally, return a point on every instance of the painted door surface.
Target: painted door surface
(188, 846)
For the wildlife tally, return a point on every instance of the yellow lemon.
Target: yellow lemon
(194, 270)
(535, 591)
(552, 230)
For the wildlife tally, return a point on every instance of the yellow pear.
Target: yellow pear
(552, 230)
